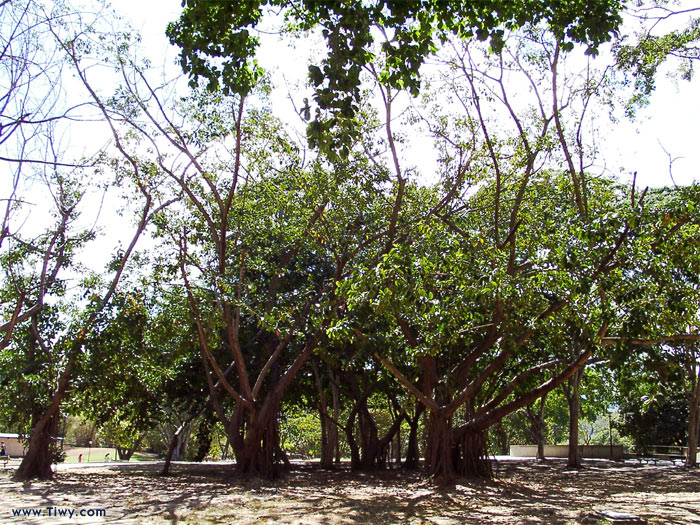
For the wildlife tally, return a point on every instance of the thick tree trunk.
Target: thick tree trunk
(574, 400)
(375, 455)
(439, 453)
(260, 452)
(473, 448)
(373, 450)
(246, 431)
(327, 441)
(540, 448)
(236, 431)
(256, 457)
(256, 437)
(39, 457)
(369, 440)
(411, 461)
(37, 461)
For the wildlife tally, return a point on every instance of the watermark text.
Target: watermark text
(58, 512)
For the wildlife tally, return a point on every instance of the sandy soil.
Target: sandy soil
(523, 492)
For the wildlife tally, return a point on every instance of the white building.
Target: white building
(13, 445)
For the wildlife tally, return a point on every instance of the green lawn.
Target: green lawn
(97, 455)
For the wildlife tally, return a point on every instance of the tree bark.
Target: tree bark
(335, 397)
(38, 459)
(126, 453)
(373, 450)
(474, 460)
(502, 437)
(691, 459)
(574, 399)
(397, 447)
(258, 452)
(439, 457)
(169, 456)
(355, 462)
(411, 461)
(329, 431)
(537, 426)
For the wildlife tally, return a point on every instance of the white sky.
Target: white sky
(671, 120)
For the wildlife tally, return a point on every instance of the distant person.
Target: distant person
(107, 457)
(3, 450)
(80, 458)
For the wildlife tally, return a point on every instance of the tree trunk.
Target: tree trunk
(369, 439)
(125, 453)
(573, 397)
(439, 453)
(376, 453)
(474, 459)
(38, 459)
(373, 450)
(537, 426)
(355, 462)
(502, 439)
(335, 397)
(329, 431)
(397, 447)
(691, 459)
(168, 458)
(256, 433)
(183, 439)
(411, 461)
(257, 456)
(327, 442)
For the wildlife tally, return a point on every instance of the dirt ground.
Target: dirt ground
(523, 492)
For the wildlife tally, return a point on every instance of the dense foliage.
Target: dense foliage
(320, 297)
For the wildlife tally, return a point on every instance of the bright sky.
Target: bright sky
(670, 122)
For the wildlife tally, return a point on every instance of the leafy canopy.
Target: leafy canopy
(218, 44)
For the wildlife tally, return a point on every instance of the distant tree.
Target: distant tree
(657, 419)
(659, 329)
(35, 267)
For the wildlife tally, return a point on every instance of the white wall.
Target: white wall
(13, 446)
(562, 451)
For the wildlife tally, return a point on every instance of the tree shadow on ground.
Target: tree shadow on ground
(523, 492)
